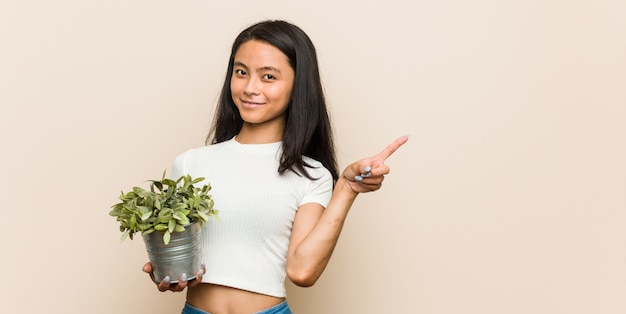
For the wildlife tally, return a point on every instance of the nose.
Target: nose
(252, 87)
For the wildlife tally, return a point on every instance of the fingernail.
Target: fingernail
(200, 272)
(408, 135)
(367, 169)
(166, 279)
(358, 179)
(183, 277)
(366, 175)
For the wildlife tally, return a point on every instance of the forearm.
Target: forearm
(310, 257)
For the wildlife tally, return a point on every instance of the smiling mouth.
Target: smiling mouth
(246, 103)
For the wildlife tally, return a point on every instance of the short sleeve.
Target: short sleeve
(320, 190)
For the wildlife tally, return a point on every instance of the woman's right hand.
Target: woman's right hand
(182, 283)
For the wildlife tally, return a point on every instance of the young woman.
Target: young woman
(274, 178)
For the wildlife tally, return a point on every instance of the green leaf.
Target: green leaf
(160, 227)
(183, 220)
(179, 228)
(144, 226)
(171, 225)
(166, 237)
(158, 184)
(197, 180)
(178, 216)
(169, 183)
(203, 216)
(147, 232)
(124, 235)
(165, 215)
(146, 215)
(206, 188)
(192, 202)
(179, 207)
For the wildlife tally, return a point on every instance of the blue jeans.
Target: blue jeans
(282, 308)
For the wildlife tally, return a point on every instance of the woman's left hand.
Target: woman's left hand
(367, 174)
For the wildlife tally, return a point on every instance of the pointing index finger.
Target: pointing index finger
(391, 148)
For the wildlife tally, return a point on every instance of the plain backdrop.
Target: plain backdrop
(510, 196)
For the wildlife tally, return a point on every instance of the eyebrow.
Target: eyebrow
(264, 68)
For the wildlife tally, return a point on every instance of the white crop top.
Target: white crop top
(247, 249)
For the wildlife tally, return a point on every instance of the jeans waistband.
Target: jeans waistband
(281, 308)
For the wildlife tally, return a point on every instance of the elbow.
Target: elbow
(303, 278)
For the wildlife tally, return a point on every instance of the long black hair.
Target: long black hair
(307, 130)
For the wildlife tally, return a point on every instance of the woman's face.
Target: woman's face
(261, 83)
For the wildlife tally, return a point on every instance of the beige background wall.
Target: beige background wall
(509, 198)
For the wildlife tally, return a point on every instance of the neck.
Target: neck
(260, 134)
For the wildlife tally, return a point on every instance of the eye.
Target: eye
(269, 77)
(240, 72)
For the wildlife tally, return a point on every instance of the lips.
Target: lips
(251, 104)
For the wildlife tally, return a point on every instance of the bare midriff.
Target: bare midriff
(218, 299)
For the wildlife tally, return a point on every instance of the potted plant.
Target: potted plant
(169, 216)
